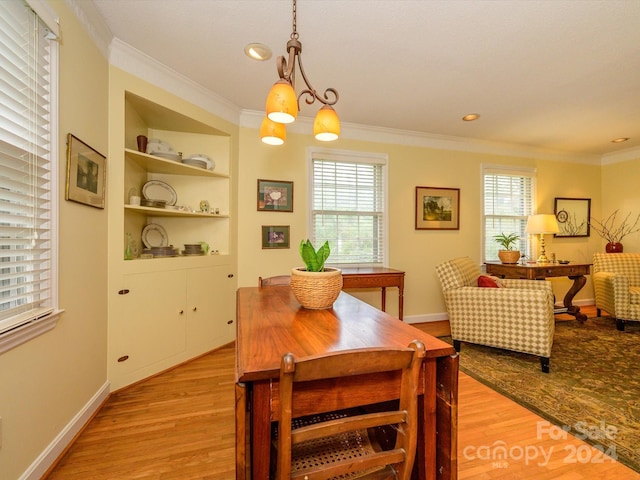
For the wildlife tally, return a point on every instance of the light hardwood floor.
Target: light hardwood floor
(180, 425)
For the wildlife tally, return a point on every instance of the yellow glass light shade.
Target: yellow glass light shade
(326, 126)
(282, 103)
(272, 133)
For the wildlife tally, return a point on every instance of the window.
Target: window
(508, 201)
(28, 151)
(348, 203)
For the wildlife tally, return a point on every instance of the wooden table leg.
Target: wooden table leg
(384, 299)
(578, 282)
(426, 453)
(242, 433)
(447, 417)
(260, 430)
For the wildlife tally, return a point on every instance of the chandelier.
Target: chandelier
(283, 103)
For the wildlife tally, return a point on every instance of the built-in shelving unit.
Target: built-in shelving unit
(165, 310)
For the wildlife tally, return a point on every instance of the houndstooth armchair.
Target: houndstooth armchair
(517, 316)
(616, 282)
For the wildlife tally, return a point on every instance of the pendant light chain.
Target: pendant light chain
(294, 33)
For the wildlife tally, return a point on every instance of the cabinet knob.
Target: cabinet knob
(181, 312)
(230, 275)
(123, 291)
(229, 322)
(194, 309)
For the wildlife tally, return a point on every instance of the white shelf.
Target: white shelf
(160, 165)
(163, 212)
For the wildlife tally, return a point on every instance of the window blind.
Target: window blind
(26, 240)
(348, 208)
(508, 201)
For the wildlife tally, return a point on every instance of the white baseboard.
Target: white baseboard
(425, 318)
(50, 454)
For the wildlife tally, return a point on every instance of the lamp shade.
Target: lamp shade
(272, 133)
(282, 103)
(326, 126)
(542, 223)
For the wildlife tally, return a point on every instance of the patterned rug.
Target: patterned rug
(592, 391)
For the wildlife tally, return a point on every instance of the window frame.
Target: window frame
(525, 244)
(356, 157)
(22, 327)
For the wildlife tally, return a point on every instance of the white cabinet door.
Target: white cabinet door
(150, 327)
(210, 307)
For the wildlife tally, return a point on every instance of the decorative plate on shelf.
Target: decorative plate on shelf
(154, 235)
(157, 190)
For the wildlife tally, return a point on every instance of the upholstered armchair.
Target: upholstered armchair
(616, 282)
(517, 315)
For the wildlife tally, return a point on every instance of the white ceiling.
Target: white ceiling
(560, 75)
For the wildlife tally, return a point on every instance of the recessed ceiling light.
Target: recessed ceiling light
(258, 51)
(620, 140)
(471, 117)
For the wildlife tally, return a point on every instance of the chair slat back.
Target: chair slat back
(351, 364)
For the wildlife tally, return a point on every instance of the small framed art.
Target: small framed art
(275, 236)
(437, 208)
(573, 216)
(86, 173)
(275, 196)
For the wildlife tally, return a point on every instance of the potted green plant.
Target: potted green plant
(314, 285)
(508, 243)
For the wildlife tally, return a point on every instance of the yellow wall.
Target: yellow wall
(620, 190)
(47, 381)
(415, 251)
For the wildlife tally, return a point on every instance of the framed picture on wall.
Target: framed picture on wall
(573, 216)
(275, 196)
(275, 236)
(437, 208)
(86, 173)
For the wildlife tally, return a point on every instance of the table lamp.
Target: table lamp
(542, 224)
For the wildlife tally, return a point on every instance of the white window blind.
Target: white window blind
(348, 207)
(508, 201)
(28, 75)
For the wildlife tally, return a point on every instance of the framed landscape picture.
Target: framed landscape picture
(275, 236)
(86, 173)
(437, 208)
(573, 216)
(275, 196)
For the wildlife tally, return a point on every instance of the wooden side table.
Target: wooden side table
(540, 271)
(376, 277)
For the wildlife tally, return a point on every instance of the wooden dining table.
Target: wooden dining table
(270, 323)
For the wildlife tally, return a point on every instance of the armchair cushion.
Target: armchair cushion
(489, 281)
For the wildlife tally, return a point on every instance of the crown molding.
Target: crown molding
(135, 62)
(93, 23)
(304, 125)
(621, 156)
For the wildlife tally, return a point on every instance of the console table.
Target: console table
(376, 277)
(271, 322)
(540, 271)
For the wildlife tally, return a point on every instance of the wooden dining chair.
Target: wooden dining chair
(334, 445)
(277, 280)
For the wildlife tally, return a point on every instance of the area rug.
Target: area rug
(592, 391)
